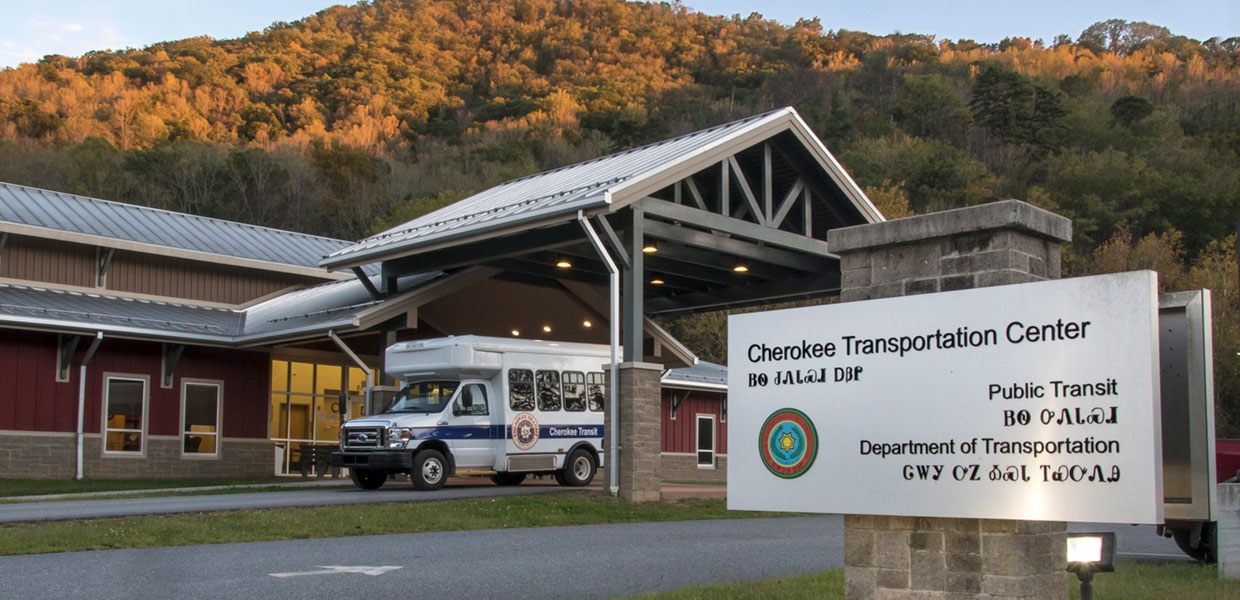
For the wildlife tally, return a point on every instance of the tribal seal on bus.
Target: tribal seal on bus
(788, 443)
(524, 431)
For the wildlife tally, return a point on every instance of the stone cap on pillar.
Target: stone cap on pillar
(1006, 214)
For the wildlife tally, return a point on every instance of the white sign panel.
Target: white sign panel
(1036, 401)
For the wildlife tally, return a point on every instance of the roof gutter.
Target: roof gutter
(679, 384)
(200, 339)
(613, 446)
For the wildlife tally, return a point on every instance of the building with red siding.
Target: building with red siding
(198, 347)
(694, 423)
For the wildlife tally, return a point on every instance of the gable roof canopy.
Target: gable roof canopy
(54, 215)
(732, 215)
(608, 184)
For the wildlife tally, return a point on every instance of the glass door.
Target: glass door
(305, 407)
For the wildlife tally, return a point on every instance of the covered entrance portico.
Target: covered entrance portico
(729, 216)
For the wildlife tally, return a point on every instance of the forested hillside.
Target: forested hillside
(366, 115)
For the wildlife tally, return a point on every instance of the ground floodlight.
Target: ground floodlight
(1090, 553)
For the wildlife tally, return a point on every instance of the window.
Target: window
(548, 390)
(472, 401)
(521, 389)
(574, 391)
(124, 425)
(596, 390)
(200, 413)
(706, 441)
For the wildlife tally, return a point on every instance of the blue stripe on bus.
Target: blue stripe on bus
(474, 432)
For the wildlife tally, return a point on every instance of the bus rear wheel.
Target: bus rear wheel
(578, 469)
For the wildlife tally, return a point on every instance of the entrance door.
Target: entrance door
(356, 407)
(471, 439)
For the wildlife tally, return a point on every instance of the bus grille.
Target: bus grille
(363, 437)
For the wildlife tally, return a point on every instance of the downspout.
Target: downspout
(613, 447)
(90, 353)
(360, 364)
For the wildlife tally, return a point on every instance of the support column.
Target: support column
(633, 285)
(916, 557)
(1228, 531)
(639, 432)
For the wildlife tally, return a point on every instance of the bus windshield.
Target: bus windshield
(422, 396)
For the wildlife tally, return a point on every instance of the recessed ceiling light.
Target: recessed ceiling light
(546, 329)
(741, 269)
(587, 324)
(564, 264)
(656, 281)
(650, 248)
(516, 332)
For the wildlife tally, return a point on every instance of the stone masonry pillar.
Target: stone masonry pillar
(639, 432)
(1229, 531)
(936, 558)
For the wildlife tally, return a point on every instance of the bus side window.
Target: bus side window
(596, 390)
(574, 391)
(520, 389)
(548, 390)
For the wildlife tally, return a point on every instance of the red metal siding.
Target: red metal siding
(680, 435)
(32, 400)
(27, 402)
(246, 387)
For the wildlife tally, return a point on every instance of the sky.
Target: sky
(30, 29)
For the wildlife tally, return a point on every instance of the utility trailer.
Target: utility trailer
(1186, 359)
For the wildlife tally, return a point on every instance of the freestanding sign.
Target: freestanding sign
(1036, 401)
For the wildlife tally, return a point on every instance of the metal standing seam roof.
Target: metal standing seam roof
(311, 310)
(74, 214)
(546, 195)
(703, 375)
(32, 305)
(327, 303)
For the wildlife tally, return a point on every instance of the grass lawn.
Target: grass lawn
(1151, 580)
(826, 585)
(1130, 581)
(206, 491)
(11, 488)
(579, 508)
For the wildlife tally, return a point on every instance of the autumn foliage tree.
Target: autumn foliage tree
(361, 117)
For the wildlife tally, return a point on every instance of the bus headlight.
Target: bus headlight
(397, 438)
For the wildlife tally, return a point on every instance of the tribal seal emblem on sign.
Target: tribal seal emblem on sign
(788, 443)
(525, 431)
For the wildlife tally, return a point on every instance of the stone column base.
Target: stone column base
(640, 433)
(891, 558)
(1229, 531)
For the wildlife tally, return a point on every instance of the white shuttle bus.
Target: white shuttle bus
(474, 405)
